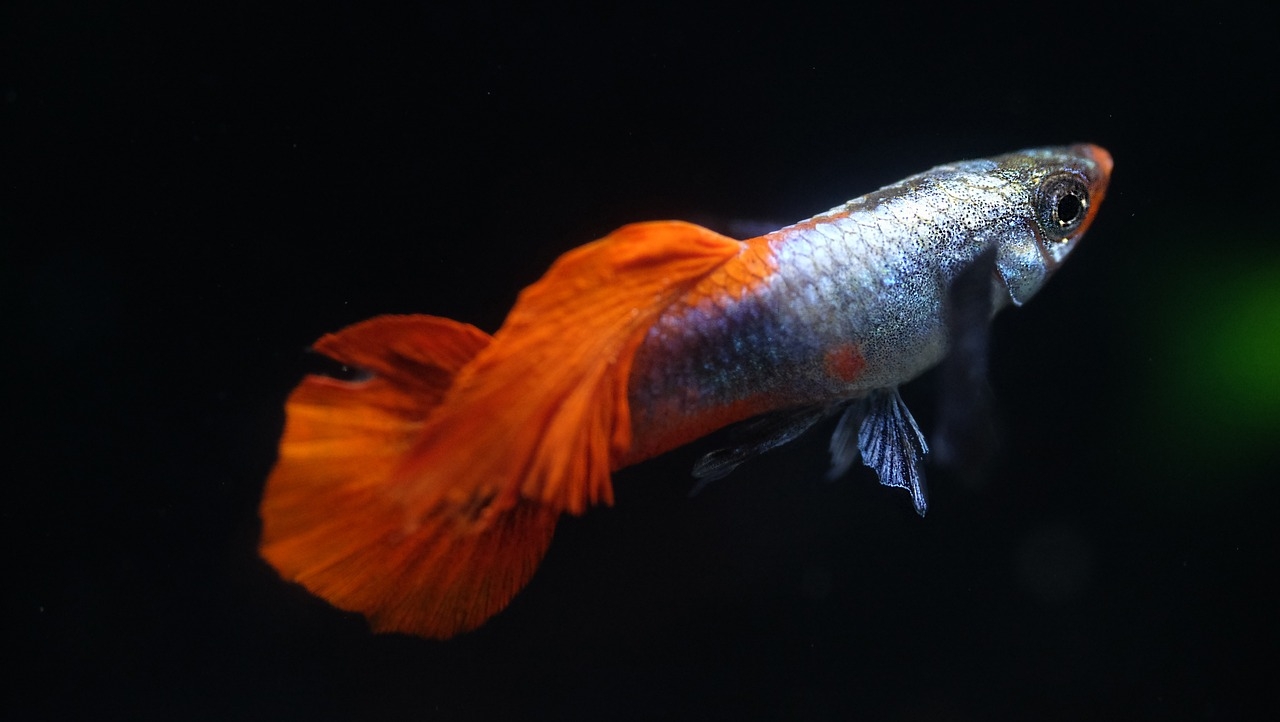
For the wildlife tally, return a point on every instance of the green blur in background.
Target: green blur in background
(1214, 390)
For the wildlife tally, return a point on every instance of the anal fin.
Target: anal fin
(755, 437)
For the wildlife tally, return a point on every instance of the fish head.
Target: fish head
(1057, 193)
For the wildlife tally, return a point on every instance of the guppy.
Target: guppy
(424, 494)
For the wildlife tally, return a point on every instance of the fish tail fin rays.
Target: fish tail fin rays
(543, 410)
(332, 518)
(426, 496)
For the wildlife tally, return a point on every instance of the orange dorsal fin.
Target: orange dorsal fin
(331, 520)
(541, 415)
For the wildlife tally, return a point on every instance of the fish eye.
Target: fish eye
(1061, 205)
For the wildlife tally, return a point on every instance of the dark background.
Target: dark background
(189, 197)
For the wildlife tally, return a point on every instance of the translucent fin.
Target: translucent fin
(753, 438)
(964, 436)
(888, 440)
(844, 440)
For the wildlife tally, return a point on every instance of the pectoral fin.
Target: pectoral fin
(964, 436)
(888, 440)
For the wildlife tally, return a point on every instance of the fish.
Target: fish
(424, 491)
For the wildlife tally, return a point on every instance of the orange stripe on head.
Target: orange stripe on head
(1098, 189)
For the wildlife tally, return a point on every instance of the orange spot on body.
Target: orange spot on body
(845, 362)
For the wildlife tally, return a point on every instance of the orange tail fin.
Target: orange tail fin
(330, 520)
(425, 497)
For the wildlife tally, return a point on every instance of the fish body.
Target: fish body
(851, 300)
(425, 496)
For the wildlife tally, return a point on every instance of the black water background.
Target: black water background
(188, 197)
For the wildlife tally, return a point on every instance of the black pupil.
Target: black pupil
(1068, 209)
